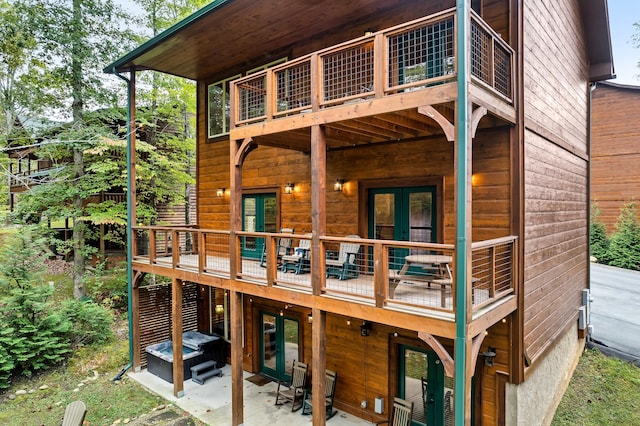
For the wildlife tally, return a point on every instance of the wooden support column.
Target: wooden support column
(176, 337)
(235, 208)
(318, 204)
(237, 396)
(318, 365)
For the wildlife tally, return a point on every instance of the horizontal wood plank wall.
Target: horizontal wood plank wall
(271, 168)
(555, 71)
(497, 338)
(556, 241)
(155, 314)
(615, 150)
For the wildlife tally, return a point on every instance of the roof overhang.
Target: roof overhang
(595, 15)
(227, 35)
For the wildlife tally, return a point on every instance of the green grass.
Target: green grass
(87, 376)
(602, 391)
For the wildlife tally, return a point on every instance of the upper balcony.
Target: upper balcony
(418, 278)
(386, 72)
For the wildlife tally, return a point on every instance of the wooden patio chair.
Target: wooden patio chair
(299, 261)
(74, 414)
(331, 378)
(293, 390)
(401, 413)
(284, 247)
(345, 266)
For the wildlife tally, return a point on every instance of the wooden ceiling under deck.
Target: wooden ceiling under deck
(388, 127)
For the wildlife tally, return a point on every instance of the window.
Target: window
(219, 108)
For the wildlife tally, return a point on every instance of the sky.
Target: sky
(622, 15)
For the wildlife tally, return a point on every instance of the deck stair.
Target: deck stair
(204, 370)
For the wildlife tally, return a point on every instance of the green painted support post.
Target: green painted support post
(462, 216)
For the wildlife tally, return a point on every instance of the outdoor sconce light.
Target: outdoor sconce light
(310, 318)
(288, 188)
(339, 185)
(489, 356)
(368, 32)
(219, 309)
(220, 192)
(349, 322)
(364, 328)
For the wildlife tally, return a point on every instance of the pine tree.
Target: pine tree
(624, 246)
(598, 240)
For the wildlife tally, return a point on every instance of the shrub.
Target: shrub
(90, 322)
(33, 335)
(598, 241)
(624, 246)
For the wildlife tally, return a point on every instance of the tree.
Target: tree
(75, 38)
(624, 246)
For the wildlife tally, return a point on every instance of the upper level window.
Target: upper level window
(219, 112)
(219, 109)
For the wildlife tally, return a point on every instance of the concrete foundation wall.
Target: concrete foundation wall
(534, 402)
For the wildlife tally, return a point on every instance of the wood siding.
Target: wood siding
(556, 72)
(615, 150)
(556, 241)
(271, 168)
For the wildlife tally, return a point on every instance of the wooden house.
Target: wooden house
(615, 149)
(441, 146)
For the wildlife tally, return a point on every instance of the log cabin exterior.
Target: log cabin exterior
(615, 149)
(442, 129)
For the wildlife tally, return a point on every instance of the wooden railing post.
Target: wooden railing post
(271, 259)
(202, 251)
(152, 246)
(380, 260)
(175, 248)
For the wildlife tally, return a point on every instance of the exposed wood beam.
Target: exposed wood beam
(476, 343)
(476, 116)
(441, 351)
(446, 126)
(247, 146)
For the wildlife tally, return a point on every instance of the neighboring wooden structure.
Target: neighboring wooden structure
(615, 149)
(370, 95)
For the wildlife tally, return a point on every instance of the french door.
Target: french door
(403, 214)
(422, 381)
(279, 344)
(259, 214)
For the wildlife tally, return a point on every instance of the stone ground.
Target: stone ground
(167, 415)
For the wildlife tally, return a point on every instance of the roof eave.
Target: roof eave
(126, 63)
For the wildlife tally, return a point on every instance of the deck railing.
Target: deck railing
(408, 57)
(383, 273)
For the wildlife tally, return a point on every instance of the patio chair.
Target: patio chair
(330, 389)
(284, 247)
(74, 414)
(345, 265)
(299, 261)
(401, 413)
(293, 390)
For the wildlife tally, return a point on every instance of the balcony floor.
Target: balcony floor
(360, 289)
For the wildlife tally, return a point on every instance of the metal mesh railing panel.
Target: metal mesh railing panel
(480, 51)
(421, 53)
(348, 72)
(252, 98)
(293, 87)
(502, 70)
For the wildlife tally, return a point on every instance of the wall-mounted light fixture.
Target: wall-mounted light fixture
(364, 328)
(489, 356)
(220, 192)
(369, 32)
(219, 309)
(349, 322)
(310, 318)
(339, 185)
(288, 188)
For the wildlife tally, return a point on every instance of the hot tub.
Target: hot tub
(196, 348)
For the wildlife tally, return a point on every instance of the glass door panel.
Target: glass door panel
(259, 214)
(422, 382)
(279, 342)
